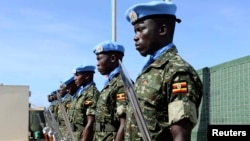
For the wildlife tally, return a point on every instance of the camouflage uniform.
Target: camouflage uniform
(82, 105)
(62, 126)
(110, 106)
(54, 108)
(168, 90)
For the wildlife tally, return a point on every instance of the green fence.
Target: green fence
(226, 98)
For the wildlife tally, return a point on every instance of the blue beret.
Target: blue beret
(88, 68)
(108, 46)
(54, 92)
(144, 10)
(67, 82)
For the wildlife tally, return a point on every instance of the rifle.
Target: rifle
(47, 127)
(40, 121)
(54, 131)
(45, 130)
(65, 116)
(128, 85)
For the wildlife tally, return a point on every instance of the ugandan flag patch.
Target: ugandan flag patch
(179, 87)
(120, 97)
(88, 102)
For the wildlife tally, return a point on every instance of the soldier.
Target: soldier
(82, 108)
(69, 89)
(52, 98)
(168, 88)
(110, 110)
(48, 131)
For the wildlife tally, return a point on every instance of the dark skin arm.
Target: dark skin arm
(181, 131)
(88, 129)
(120, 132)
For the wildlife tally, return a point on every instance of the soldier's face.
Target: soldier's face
(103, 63)
(63, 91)
(146, 34)
(79, 79)
(72, 88)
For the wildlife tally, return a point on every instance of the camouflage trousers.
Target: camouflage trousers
(104, 136)
(78, 135)
(65, 133)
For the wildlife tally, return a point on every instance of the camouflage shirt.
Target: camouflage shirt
(168, 90)
(54, 108)
(82, 105)
(65, 102)
(110, 106)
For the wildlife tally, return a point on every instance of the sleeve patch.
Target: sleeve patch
(120, 97)
(88, 102)
(67, 105)
(179, 87)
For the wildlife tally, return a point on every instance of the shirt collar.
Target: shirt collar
(82, 88)
(112, 74)
(158, 53)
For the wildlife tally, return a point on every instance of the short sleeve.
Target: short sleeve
(183, 98)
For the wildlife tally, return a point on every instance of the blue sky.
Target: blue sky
(41, 41)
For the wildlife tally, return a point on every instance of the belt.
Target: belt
(104, 127)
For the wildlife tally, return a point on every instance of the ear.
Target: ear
(87, 77)
(112, 58)
(163, 29)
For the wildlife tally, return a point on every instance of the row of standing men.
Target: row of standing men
(168, 89)
(92, 112)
